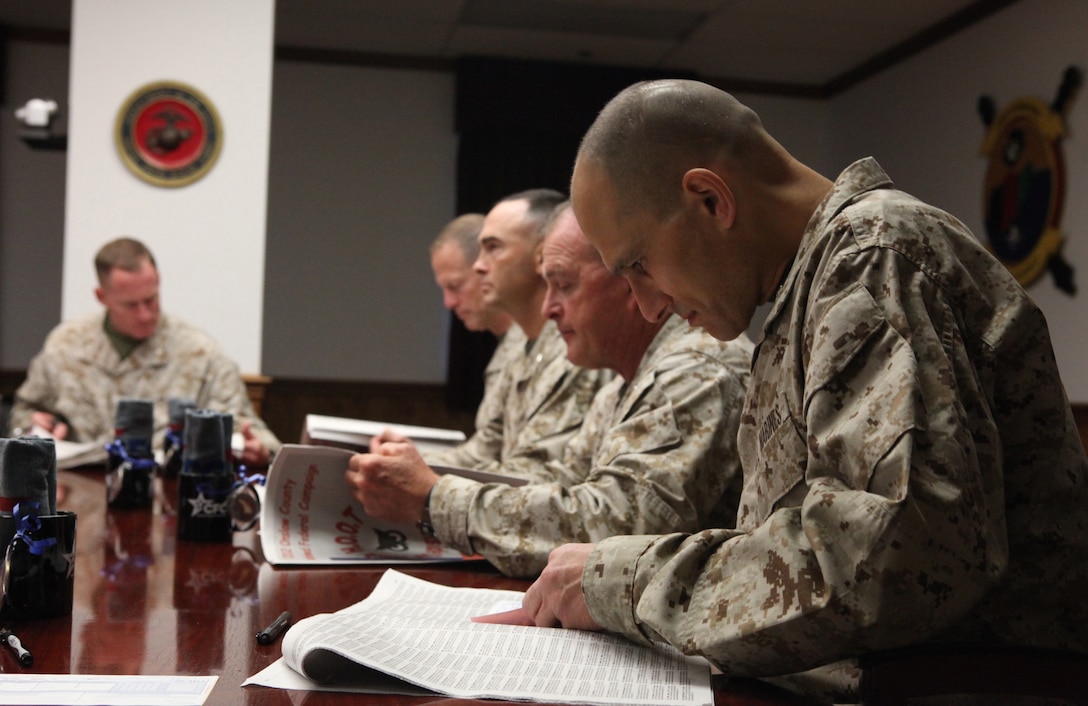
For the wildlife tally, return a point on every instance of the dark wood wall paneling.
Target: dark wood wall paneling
(288, 401)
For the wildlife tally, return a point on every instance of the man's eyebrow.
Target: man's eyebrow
(623, 263)
(547, 271)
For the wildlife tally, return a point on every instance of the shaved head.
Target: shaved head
(651, 133)
(683, 192)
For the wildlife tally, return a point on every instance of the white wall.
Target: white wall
(920, 121)
(208, 237)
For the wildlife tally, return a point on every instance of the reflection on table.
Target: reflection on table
(146, 603)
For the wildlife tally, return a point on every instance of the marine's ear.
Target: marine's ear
(706, 191)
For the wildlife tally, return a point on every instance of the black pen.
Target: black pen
(25, 658)
(272, 633)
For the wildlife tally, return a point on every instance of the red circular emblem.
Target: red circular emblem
(168, 134)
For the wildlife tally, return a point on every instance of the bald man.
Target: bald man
(913, 472)
(656, 452)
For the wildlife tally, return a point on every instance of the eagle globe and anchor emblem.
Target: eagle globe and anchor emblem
(168, 134)
(1024, 187)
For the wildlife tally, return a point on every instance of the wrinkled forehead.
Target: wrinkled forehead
(564, 252)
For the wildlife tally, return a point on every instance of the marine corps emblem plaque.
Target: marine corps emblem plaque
(168, 134)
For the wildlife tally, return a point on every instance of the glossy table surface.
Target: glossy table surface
(148, 603)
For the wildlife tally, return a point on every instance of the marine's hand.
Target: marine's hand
(254, 453)
(391, 483)
(555, 599)
(507, 617)
(386, 436)
(50, 424)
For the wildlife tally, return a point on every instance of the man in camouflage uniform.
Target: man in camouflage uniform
(88, 364)
(657, 450)
(913, 473)
(545, 396)
(453, 253)
(548, 395)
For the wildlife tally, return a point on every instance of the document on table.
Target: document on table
(104, 690)
(410, 633)
(308, 517)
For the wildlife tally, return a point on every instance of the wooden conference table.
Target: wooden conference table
(147, 603)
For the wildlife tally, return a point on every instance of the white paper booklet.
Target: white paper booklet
(309, 516)
(420, 633)
(356, 433)
(74, 454)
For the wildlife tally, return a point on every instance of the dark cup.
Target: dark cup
(203, 512)
(130, 483)
(39, 580)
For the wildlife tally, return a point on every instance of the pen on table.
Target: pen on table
(25, 658)
(277, 627)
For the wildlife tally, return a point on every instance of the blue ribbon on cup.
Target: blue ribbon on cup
(243, 479)
(243, 504)
(117, 448)
(173, 439)
(26, 522)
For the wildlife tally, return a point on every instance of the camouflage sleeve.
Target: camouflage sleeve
(553, 424)
(608, 582)
(37, 393)
(60, 383)
(662, 468)
(484, 449)
(480, 451)
(897, 531)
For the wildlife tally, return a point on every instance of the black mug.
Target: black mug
(203, 507)
(130, 482)
(38, 570)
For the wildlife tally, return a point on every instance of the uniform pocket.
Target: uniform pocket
(779, 469)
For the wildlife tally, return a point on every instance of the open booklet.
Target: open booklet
(309, 516)
(420, 634)
(356, 433)
(75, 454)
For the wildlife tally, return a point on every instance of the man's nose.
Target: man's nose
(550, 309)
(654, 304)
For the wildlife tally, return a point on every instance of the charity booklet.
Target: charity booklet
(310, 517)
(356, 433)
(411, 635)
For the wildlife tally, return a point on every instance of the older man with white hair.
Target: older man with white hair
(655, 453)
